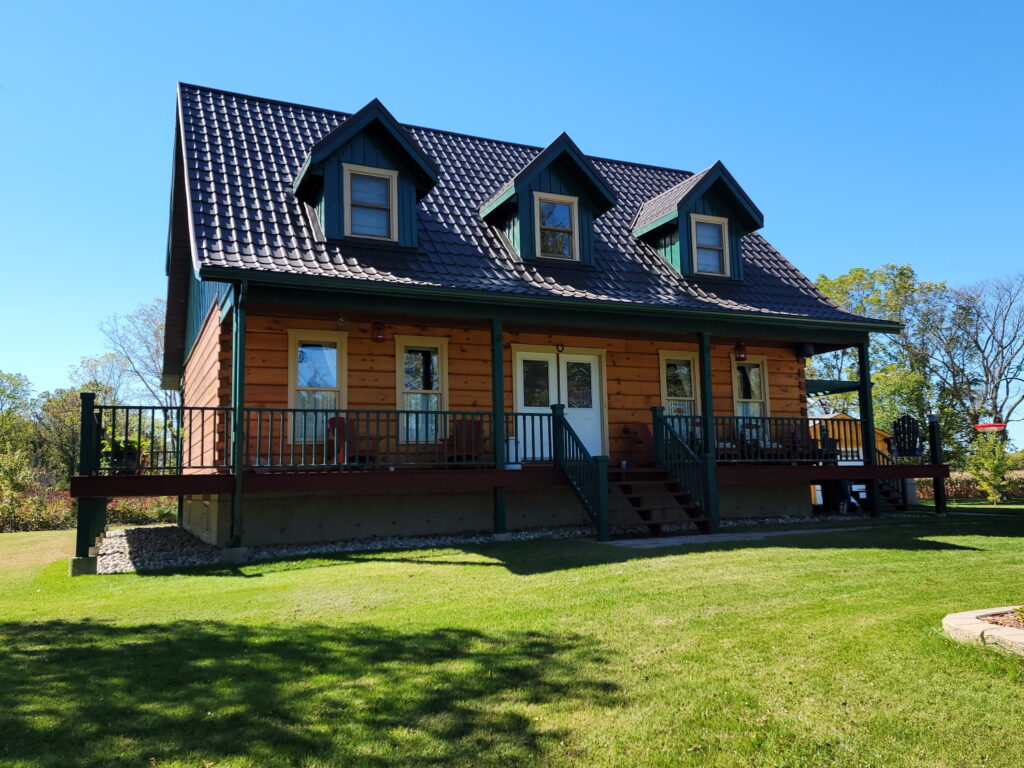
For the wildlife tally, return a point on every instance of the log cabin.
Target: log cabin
(381, 329)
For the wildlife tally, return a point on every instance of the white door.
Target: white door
(536, 390)
(579, 379)
(543, 378)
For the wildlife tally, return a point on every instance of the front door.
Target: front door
(544, 378)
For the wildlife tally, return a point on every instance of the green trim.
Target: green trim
(451, 302)
(495, 203)
(707, 425)
(830, 387)
(668, 217)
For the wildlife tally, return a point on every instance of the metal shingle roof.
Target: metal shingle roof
(242, 154)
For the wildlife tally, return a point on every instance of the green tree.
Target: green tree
(57, 416)
(15, 412)
(988, 461)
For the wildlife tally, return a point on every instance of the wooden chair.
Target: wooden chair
(345, 445)
(465, 442)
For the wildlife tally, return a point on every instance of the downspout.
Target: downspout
(241, 291)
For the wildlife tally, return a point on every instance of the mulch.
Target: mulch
(1012, 619)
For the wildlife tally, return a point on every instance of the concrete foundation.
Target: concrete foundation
(764, 501)
(288, 518)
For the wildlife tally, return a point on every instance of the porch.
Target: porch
(676, 464)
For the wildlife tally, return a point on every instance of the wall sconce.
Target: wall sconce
(377, 331)
(740, 350)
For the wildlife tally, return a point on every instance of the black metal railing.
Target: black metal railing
(588, 475)
(769, 439)
(156, 440)
(676, 455)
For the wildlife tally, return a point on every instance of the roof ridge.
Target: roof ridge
(346, 115)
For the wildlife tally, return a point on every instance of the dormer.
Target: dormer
(698, 225)
(547, 210)
(363, 181)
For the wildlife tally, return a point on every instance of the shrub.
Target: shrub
(45, 509)
(962, 485)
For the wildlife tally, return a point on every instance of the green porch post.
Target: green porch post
(867, 422)
(707, 410)
(237, 408)
(91, 514)
(935, 456)
(498, 418)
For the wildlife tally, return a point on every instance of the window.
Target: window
(371, 196)
(556, 226)
(710, 241)
(750, 386)
(679, 383)
(422, 386)
(316, 376)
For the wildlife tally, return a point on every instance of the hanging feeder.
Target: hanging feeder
(993, 426)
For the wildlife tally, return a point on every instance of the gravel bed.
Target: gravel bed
(168, 546)
(1013, 619)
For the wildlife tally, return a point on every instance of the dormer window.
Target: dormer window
(371, 199)
(710, 239)
(557, 226)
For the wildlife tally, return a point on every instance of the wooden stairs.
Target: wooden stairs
(649, 496)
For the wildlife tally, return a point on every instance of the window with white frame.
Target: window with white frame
(371, 202)
(422, 386)
(710, 244)
(316, 377)
(750, 387)
(557, 226)
(679, 383)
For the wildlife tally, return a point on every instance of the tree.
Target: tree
(15, 411)
(900, 375)
(57, 417)
(989, 462)
(136, 342)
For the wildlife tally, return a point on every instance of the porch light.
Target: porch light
(993, 426)
(740, 350)
(377, 331)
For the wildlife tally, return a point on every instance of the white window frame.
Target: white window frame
(348, 169)
(295, 337)
(736, 400)
(696, 218)
(664, 355)
(573, 203)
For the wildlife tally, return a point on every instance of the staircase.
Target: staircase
(649, 496)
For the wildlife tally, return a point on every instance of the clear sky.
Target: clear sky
(866, 132)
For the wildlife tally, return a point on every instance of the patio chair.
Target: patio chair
(465, 442)
(345, 445)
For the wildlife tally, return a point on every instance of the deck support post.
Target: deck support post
(500, 523)
(867, 421)
(91, 513)
(935, 451)
(241, 294)
(707, 423)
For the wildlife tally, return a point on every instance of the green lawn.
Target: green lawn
(1012, 507)
(810, 650)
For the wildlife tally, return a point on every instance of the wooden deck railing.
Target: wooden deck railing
(675, 454)
(588, 475)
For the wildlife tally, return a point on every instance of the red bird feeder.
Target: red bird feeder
(993, 426)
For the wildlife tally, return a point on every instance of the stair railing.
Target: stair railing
(587, 475)
(892, 484)
(673, 453)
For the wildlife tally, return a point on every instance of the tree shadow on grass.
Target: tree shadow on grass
(89, 694)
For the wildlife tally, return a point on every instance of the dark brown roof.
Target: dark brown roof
(243, 154)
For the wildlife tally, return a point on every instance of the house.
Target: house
(385, 329)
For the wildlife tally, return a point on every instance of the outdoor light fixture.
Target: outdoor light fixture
(740, 350)
(377, 331)
(994, 426)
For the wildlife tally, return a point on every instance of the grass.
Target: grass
(982, 506)
(811, 650)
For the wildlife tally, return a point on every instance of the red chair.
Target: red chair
(345, 444)
(465, 442)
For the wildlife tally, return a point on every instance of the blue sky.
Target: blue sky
(867, 133)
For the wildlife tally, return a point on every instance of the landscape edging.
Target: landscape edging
(968, 627)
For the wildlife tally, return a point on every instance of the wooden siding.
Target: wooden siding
(207, 383)
(632, 368)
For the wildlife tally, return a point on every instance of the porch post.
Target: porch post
(241, 291)
(935, 456)
(498, 418)
(867, 421)
(707, 421)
